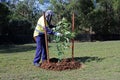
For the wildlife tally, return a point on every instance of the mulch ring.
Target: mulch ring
(64, 64)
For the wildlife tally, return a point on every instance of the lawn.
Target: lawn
(100, 60)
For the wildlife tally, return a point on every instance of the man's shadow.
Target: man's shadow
(80, 59)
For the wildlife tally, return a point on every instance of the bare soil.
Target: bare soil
(64, 64)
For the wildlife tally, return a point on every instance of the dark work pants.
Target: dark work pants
(40, 49)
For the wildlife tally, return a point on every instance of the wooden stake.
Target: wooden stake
(46, 41)
(73, 17)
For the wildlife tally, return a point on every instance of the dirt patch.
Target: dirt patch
(64, 64)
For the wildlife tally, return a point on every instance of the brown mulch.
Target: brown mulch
(64, 64)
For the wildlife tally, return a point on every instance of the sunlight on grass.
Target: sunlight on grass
(101, 61)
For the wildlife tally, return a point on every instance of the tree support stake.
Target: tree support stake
(46, 39)
(73, 20)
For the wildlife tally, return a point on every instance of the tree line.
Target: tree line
(98, 17)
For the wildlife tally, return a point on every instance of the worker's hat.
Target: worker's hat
(49, 12)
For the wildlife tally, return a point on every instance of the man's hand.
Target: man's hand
(58, 34)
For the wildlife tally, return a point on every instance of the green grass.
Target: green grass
(101, 61)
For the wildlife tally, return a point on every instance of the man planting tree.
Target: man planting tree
(39, 36)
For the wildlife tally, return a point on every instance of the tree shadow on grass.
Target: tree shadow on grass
(16, 48)
(80, 59)
(88, 59)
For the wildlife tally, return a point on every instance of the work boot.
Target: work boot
(37, 64)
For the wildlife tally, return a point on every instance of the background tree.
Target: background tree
(4, 18)
(27, 10)
(22, 20)
(81, 8)
(102, 16)
(116, 7)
